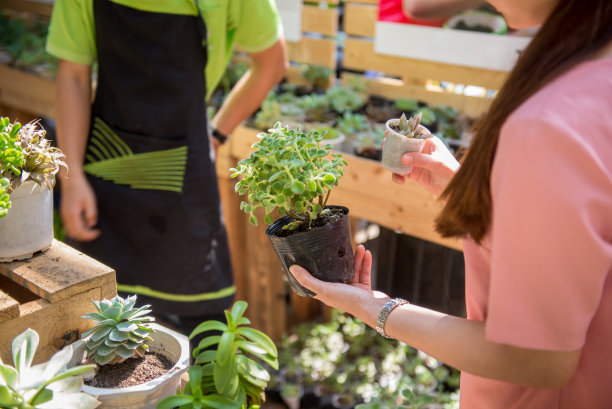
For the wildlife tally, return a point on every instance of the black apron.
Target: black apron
(149, 163)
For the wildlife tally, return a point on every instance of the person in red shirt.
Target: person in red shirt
(532, 200)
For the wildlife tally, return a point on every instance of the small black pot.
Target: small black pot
(326, 251)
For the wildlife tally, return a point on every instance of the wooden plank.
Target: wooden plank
(9, 308)
(58, 273)
(233, 217)
(375, 2)
(310, 50)
(27, 92)
(360, 55)
(56, 324)
(267, 288)
(394, 89)
(320, 20)
(360, 19)
(41, 7)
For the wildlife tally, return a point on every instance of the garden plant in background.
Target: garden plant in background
(49, 385)
(293, 172)
(230, 375)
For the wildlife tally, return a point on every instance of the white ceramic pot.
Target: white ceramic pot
(28, 225)
(397, 144)
(173, 345)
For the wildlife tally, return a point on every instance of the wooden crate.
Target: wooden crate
(49, 293)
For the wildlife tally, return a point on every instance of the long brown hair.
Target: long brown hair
(574, 31)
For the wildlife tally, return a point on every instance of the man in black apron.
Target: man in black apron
(146, 201)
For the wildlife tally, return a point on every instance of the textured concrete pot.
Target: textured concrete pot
(397, 144)
(28, 225)
(147, 395)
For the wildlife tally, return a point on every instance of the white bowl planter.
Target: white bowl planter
(170, 343)
(397, 144)
(28, 225)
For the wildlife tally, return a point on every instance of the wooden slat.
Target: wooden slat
(9, 308)
(266, 285)
(58, 273)
(360, 19)
(375, 2)
(41, 7)
(360, 55)
(27, 92)
(394, 89)
(313, 51)
(320, 20)
(55, 323)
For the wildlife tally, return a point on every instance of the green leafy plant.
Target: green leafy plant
(406, 104)
(268, 114)
(288, 170)
(343, 99)
(351, 123)
(316, 107)
(50, 385)
(230, 376)
(428, 116)
(316, 75)
(120, 332)
(25, 154)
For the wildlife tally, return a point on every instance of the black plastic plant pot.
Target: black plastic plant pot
(326, 251)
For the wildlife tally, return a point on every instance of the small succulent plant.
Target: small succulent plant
(409, 127)
(25, 155)
(47, 385)
(120, 332)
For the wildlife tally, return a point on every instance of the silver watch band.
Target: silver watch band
(384, 313)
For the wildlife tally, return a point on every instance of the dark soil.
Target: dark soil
(322, 220)
(369, 152)
(130, 372)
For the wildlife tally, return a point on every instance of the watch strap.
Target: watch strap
(384, 313)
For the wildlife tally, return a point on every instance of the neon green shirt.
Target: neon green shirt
(253, 24)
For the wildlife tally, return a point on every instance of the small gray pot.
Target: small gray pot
(397, 144)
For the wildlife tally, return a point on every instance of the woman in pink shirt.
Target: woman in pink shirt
(533, 201)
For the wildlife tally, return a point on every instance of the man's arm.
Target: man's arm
(267, 69)
(78, 207)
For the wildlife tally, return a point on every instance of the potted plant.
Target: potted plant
(28, 165)
(124, 340)
(403, 135)
(291, 394)
(290, 170)
(230, 375)
(49, 385)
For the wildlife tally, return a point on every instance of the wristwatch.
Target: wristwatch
(218, 135)
(384, 313)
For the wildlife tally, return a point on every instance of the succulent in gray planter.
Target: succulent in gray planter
(403, 135)
(293, 172)
(28, 165)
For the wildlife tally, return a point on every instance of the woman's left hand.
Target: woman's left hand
(351, 297)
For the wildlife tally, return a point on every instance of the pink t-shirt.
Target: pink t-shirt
(542, 278)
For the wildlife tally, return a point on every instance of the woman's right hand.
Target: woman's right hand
(78, 209)
(432, 168)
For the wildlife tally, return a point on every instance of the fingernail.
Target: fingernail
(295, 270)
(407, 160)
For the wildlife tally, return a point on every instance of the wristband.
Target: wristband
(218, 135)
(384, 313)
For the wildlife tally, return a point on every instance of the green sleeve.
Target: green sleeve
(72, 32)
(257, 24)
